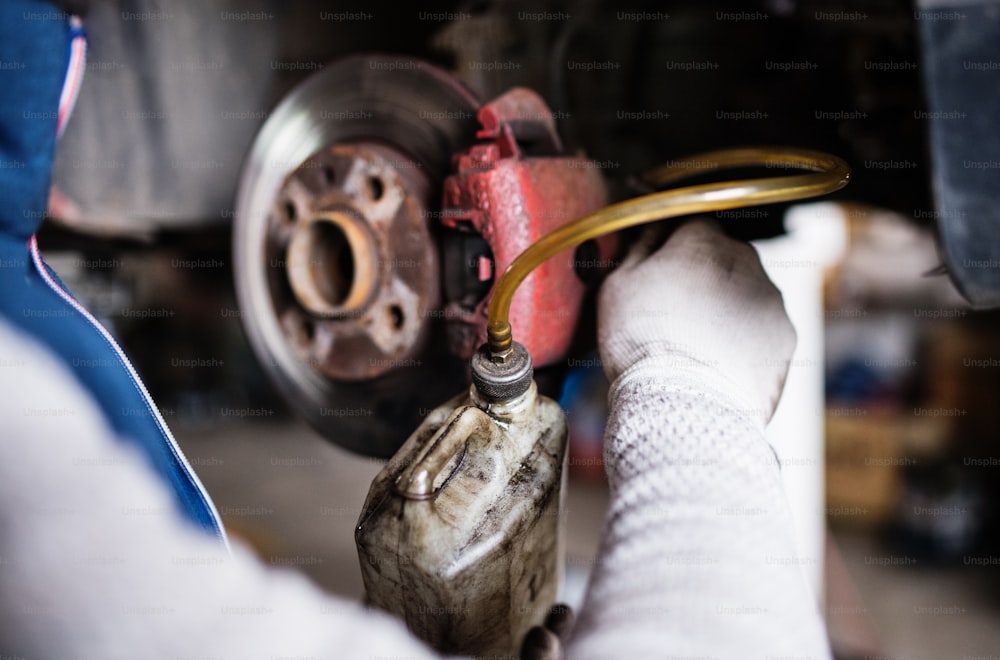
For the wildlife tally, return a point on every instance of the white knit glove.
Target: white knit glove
(702, 309)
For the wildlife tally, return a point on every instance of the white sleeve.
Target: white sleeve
(698, 555)
(96, 562)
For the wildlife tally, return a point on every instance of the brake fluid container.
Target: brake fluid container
(460, 536)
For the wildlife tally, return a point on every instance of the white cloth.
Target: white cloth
(94, 562)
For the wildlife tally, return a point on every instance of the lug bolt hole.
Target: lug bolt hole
(396, 316)
(375, 188)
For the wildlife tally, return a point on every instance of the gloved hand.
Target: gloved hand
(547, 642)
(700, 307)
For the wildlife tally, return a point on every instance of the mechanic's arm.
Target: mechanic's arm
(698, 557)
(96, 562)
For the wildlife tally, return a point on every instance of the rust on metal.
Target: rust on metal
(512, 189)
(352, 268)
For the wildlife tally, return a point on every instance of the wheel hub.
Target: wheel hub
(355, 269)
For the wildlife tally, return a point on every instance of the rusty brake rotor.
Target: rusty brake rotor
(336, 268)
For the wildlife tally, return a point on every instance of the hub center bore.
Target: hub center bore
(332, 264)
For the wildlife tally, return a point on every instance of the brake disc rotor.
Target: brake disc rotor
(336, 270)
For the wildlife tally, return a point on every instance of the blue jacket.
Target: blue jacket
(35, 45)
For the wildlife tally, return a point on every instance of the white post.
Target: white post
(816, 239)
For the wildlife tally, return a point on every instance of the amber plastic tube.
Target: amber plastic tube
(826, 174)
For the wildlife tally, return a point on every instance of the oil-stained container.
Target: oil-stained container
(460, 535)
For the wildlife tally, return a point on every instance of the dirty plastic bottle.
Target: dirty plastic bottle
(460, 536)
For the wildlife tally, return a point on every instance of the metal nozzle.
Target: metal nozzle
(499, 338)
